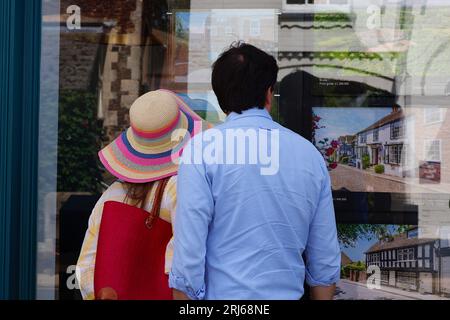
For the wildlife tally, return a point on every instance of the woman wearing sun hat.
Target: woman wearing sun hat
(117, 245)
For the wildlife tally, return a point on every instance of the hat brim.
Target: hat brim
(130, 164)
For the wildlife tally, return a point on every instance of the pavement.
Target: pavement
(350, 290)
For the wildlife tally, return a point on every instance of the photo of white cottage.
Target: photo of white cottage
(382, 145)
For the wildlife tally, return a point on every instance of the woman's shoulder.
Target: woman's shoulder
(115, 192)
(171, 188)
(172, 183)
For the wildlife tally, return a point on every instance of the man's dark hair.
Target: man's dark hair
(242, 76)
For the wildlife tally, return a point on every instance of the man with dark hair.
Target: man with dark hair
(254, 198)
(243, 77)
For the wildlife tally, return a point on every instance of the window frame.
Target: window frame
(426, 153)
(400, 126)
(311, 7)
(376, 134)
(425, 115)
(398, 156)
(20, 55)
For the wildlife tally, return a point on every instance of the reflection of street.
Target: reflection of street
(349, 290)
(357, 180)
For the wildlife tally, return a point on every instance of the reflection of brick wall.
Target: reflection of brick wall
(118, 10)
(78, 63)
(122, 75)
(123, 89)
(115, 51)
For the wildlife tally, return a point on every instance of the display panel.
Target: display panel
(367, 82)
(390, 262)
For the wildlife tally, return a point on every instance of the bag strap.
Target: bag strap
(154, 213)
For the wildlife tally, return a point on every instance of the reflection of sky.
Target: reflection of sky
(195, 22)
(346, 121)
(183, 19)
(206, 101)
(363, 244)
(357, 253)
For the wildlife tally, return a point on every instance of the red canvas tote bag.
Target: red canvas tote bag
(131, 250)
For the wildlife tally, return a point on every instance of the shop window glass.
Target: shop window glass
(367, 84)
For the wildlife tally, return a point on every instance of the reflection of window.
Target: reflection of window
(363, 137)
(299, 1)
(427, 251)
(255, 28)
(432, 115)
(376, 134)
(445, 243)
(374, 259)
(445, 237)
(317, 5)
(393, 154)
(433, 150)
(362, 151)
(405, 255)
(320, 2)
(397, 130)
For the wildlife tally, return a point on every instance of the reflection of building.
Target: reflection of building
(383, 144)
(346, 147)
(444, 253)
(345, 260)
(411, 263)
(120, 52)
(431, 148)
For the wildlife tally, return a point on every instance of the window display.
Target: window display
(367, 82)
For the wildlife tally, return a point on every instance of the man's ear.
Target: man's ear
(269, 97)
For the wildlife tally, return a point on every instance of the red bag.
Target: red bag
(131, 252)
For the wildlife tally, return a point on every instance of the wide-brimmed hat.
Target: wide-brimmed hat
(161, 126)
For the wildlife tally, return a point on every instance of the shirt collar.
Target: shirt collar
(254, 112)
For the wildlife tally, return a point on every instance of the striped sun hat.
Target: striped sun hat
(147, 152)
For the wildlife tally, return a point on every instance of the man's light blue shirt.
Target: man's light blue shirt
(241, 235)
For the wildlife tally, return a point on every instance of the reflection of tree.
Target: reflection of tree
(181, 31)
(316, 126)
(79, 140)
(328, 149)
(349, 234)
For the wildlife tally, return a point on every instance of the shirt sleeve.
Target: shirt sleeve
(323, 254)
(195, 209)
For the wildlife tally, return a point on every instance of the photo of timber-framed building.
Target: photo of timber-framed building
(412, 263)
